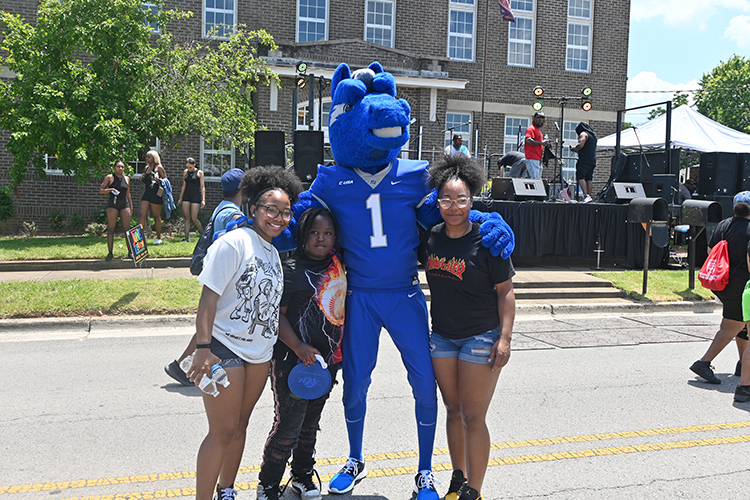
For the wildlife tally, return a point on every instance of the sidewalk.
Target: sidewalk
(539, 292)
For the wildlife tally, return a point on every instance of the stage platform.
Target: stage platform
(574, 231)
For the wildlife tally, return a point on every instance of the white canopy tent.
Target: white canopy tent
(690, 131)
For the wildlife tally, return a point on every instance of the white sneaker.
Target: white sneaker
(157, 241)
(587, 199)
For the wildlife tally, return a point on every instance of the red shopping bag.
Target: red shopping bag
(714, 274)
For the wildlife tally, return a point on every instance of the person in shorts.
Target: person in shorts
(472, 310)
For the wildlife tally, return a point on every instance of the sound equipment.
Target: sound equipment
(623, 192)
(642, 167)
(308, 153)
(718, 174)
(727, 205)
(269, 148)
(743, 172)
(500, 188)
(663, 186)
(504, 188)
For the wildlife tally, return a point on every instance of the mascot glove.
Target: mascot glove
(496, 233)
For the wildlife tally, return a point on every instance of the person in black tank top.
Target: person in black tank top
(192, 196)
(586, 149)
(152, 200)
(119, 202)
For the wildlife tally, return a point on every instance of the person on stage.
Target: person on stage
(534, 147)
(457, 147)
(517, 162)
(586, 149)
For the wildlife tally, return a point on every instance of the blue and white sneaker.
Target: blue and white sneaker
(424, 486)
(350, 474)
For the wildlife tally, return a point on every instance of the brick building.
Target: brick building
(436, 51)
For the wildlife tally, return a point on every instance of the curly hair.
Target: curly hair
(305, 224)
(259, 180)
(458, 167)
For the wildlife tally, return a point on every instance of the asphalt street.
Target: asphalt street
(589, 407)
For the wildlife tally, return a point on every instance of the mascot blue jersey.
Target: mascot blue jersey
(379, 213)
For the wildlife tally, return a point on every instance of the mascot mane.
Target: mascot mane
(367, 125)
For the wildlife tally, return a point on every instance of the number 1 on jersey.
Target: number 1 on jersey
(378, 239)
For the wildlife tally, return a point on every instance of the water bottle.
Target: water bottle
(208, 384)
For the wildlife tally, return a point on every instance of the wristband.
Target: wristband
(204, 346)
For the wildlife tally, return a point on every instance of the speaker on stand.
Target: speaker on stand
(308, 153)
(269, 148)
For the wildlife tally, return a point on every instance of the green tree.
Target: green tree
(724, 94)
(677, 101)
(93, 85)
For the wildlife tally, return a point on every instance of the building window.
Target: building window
(151, 9)
(569, 159)
(50, 165)
(217, 156)
(521, 34)
(219, 18)
(303, 116)
(515, 131)
(312, 20)
(460, 123)
(461, 26)
(379, 18)
(578, 47)
(139, 165)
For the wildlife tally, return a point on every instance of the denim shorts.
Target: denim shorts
(228, 358)
(474, 349)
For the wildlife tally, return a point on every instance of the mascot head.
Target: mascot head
(367, 125)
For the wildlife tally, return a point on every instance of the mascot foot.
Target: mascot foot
(350, 474)
(424, 486)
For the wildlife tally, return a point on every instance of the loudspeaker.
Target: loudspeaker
(743, 172)
(718, 174)
(664, 186)
(727, 205)
(308, 153)
(269, 148)
(504, 188)
(623, 192)
(642, 167)
(500, 187)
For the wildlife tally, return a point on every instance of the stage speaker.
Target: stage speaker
(743, 172)
(718, 174)
(727, 205)
(642, 167)
(528, 189)
(308, 153)
(500, 189)
(663, 186)
(269, 148)
(623, 192)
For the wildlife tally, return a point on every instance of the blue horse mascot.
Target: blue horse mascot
(379, 201)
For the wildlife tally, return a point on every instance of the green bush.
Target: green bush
(57, 220)
(7, 203)
(77, 223)
(100, 215)
(28, 229)
(96, 229)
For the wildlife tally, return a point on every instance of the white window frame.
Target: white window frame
(454, 118)
(569, 159)
(51, 170)
(511, 141)
(467, 7)
(228, 28)
(139, 165)
(527, 16)
(302, 116)
(207, 149)
(582, 21)
(153, 8)
(312, 19)
(385, 27)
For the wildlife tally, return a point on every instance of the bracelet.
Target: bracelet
(204, 346)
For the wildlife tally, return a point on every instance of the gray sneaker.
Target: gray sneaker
(705, 371)
(742, 393)
(271, 492)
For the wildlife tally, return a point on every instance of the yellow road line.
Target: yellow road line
(150, 478)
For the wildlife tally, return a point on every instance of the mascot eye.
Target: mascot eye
(348, 107)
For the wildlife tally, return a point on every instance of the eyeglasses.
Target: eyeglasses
(445, 203)
(274, 212)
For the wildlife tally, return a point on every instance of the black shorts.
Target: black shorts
(585, 172)
(731, 299)
(150, 196)
(192, 197)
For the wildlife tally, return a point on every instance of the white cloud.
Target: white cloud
(738, 31)
(646, 88)
(680, 12)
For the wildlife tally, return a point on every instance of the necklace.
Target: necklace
(266, 246)
(466, 231)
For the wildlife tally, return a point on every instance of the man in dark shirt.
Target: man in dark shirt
(517, 162)
(586, 149)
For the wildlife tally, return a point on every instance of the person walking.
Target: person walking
(119, 202)
(152, 200)
(192, 196)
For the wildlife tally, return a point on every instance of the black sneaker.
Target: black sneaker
(108, 257)
(705, 371)
(742, 393)
(304, 485)
(173, 370)
(225, 493)
(271, 492)
(469, 493)
(457, 480)
(738, 369)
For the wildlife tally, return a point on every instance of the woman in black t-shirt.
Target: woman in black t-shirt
(472, 309)
(736, 230)
(119, 202)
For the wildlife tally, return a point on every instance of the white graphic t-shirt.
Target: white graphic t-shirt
(246, 272)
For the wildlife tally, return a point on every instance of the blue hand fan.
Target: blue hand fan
(310, 382)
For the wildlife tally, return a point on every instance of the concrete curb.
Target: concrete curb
(89, 264)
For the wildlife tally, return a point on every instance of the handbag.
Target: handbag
(714, 275)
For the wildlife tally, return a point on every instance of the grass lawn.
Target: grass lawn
(87, 247)
(664, 285)
(31, 299)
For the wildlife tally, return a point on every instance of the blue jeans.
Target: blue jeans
(534, 168)
(475, 349)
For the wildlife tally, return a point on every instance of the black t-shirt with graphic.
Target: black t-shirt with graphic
(314, 294)
(462, 274)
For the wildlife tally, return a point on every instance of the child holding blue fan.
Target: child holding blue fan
(312, 305)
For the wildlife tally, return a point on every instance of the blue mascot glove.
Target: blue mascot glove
(496, 233)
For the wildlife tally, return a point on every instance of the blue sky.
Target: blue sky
(674, 42)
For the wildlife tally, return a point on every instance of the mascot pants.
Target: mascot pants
(404, 314)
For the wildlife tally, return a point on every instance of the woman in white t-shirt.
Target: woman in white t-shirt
(237, 323)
